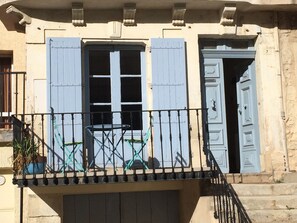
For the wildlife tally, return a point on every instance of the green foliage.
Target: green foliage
(25, 151)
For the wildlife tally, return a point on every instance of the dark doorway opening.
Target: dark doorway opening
(233, 70)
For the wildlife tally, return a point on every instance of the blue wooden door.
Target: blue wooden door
(215, 102)
(248, 120)
(170, 132)
(64, 94)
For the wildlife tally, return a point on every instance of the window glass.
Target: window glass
(131, 89)
(100, 114)
(115, 85)
(100, 91)
(99, 62)
(130, 62)
(132, 115)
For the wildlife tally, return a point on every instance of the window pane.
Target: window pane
(99, 62)
(101, 114)
(130, 61)
(131, 89)
(132, 115)
(100, 90)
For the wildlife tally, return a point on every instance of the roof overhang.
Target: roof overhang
(242, 5)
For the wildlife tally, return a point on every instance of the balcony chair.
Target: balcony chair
(69, 148)
(137, 146)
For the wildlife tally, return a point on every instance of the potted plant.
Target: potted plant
(27, 160)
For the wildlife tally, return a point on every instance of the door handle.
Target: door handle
(213, 104)
(239, 111)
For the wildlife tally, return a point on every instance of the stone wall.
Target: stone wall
(288, 49)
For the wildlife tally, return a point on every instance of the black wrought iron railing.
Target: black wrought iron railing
(117, 143)
(227, 206)
(12, 96)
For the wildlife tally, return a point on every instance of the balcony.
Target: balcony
(102, 147)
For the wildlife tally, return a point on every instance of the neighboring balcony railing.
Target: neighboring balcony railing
(109, 146)
(12, 96)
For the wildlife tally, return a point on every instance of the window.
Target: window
(5, 91)
(114, 84)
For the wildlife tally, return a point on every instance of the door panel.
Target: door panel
(215, 102)
(247, 120)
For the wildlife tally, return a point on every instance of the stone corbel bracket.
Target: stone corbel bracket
(25, 19)
(178, 14)
(78, 14)
(129, 12)
(228, 15)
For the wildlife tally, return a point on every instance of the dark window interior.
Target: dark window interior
(108, 78)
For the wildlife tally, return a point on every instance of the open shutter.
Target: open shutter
(169, 92)
(64, 95)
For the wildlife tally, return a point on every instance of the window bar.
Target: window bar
(161, 141)
(170, 140)
(103, 141)
(113, 147)
(32, 141)
(16, 93)
(152, 141)
(73, 142)
(82, 117)
(188, 122)
(24, 92)
(93, 158)
(63, 144)
(199, 138)
(180, 141)
(227, 209)
(141, 138)
(43, 143)
(53, 137)
(122, 143)
(233, 208)
(143, 152)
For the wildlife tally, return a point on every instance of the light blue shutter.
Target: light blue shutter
(64, 94)
(170, 92)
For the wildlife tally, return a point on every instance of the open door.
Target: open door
(248, 118)
(215, 102)
(230, 95)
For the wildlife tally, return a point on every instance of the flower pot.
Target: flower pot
(35, 168)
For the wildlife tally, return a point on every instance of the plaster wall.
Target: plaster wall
(8, 195)
(12, 43)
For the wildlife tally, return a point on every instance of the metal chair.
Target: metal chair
(137, 146)
(70, 149)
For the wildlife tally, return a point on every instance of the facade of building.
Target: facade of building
(101, 74)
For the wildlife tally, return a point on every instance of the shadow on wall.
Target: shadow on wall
(11, 21)
(193, 207)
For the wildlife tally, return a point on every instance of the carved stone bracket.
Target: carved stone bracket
(25, 19)
(129, 13)
(178, 14)
(78, 14)
(228, 15)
